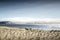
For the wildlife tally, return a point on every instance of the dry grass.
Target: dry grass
(7, 33)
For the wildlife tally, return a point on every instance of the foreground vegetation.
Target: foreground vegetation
(7, 33)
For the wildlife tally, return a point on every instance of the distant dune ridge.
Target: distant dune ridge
(8, 33)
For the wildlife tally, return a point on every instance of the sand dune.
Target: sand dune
(7, 33)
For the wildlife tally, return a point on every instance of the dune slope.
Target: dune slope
(7, 33)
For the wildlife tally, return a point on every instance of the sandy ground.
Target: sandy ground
(7, 33)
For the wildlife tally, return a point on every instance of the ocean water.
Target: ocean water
(33, 26)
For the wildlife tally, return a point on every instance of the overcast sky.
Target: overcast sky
(30, 9)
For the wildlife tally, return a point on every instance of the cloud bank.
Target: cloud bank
(22, 19)
(29, 19)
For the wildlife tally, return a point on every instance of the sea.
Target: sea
(33, 26)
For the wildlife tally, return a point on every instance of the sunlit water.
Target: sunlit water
(40, 27)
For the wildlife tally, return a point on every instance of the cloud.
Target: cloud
(22, 19)
(29, 19)
(50, 19)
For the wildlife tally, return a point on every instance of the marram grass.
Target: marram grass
(7, 33)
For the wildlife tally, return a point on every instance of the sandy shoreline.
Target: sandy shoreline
(7, 33)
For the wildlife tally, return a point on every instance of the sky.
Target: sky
(30, 10)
